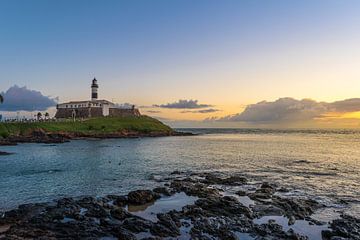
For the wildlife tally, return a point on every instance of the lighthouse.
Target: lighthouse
(94, 90)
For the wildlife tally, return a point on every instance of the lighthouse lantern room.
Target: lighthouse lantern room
(94, 90)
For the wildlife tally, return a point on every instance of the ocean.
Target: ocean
(322, 164)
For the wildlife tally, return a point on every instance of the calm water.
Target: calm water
(325, 165)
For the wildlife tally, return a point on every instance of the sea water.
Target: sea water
(324, 165)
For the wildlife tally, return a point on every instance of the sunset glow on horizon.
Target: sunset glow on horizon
(226, 55)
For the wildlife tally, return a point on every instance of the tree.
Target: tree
(39, 115)
(1, 99)
(47, 115)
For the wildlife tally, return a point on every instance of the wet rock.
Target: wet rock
(212, 228)
(232, 180)
(137, 225)
(5, 153)
(299, 208)
(347, 227)
(260, 195)
(23, 213)
(193, 189)
(223, 206)
(168, 227)
(272, 230)
(267, 210)
(120, 201)
(212, 216)
(162, 190)
(241, 193)
(176, 172)
(119, 213)
(123, 234)
(140, 197)
(291, 220)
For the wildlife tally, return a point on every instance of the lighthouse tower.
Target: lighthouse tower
(94, 90)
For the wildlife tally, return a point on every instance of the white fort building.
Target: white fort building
(93, 107)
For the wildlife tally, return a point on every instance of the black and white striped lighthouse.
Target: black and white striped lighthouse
(94, 90)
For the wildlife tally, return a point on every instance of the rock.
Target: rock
(123, 234)
(120, 201)
(162, 190)
(140, 197)
(119, 213)
(267, 210)
(166, 226)
(232, 180)
(137, 225)
(7, 142)
(299, 208)
(241, 193)
(212, 216)
(291, 220)
(5, 153)
(347, 227)
(193, 189)
(225, 206)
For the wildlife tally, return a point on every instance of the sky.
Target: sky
(188, 63)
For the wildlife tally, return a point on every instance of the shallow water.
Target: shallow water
(162, 205)
(325, 165)
(302, 227)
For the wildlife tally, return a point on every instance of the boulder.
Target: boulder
(140, 197)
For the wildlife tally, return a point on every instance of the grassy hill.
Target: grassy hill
(94, 126)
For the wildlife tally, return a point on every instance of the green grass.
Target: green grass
(103, 125)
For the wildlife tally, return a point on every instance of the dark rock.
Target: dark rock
(194, 189)
(119, 213)
(267, 185)
(137, 225)
(267, 210)
(123, 234)
(225, 206)
(140, 197)
(167, 226)
(5, 153)
(162, 190)
(120, 201)
(232, 180)
(347, 227)
(299, 208)
(241, 193)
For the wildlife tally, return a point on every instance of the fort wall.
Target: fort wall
(87, 112)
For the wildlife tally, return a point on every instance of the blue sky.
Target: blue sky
(224, 53)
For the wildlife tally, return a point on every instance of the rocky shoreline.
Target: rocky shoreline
(40, 136)
(185, 206)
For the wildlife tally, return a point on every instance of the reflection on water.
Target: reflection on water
(302, 227)
(323, 164)
(162, 205)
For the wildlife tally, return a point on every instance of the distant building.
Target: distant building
(93, 107)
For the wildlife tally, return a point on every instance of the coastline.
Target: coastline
(187, 206)
(40, 136)
(101, 128)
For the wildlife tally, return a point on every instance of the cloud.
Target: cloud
(348, 105)
(210, 110)
(184, 104)
(290, 110)
(23, 99)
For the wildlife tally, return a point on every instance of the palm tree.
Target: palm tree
(39, 115)
(47, 116)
